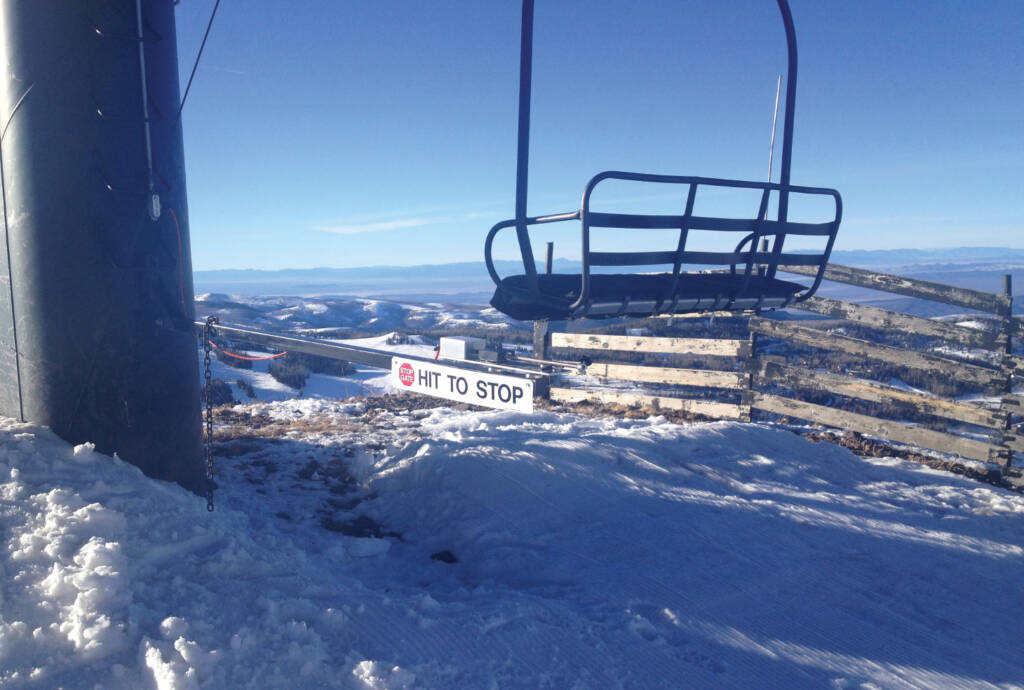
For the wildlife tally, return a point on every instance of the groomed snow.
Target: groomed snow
(588, 554)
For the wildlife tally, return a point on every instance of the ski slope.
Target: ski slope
(588, 553)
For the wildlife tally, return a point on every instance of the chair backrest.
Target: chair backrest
(750, 229)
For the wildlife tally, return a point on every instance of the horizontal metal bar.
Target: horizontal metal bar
(774, 227)
(349, 353)
(709, 182)
(718, 258)
(352, 353)
(791, 260)
(674, 222)
(697, 258)
(631, 258)
(634, 221)
(910, 287)
(731, 258)
(553, 218)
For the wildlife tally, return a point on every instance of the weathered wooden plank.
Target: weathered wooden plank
(891, 320)
(991, 379)
(871, 391)
(719, 347)
(922, 289)
(698, 315)
(1014, 442)
(892, 431)
(683, 377)
(708, 408)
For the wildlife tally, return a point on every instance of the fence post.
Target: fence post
(1008, 321)
(1007, 370)
(762, 269)
(747, 397)
(541, 338)
(541, 335)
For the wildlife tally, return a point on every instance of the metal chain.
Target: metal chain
(208, 393)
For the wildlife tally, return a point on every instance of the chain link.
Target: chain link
(208, 393)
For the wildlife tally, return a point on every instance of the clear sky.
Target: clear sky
(367, 132)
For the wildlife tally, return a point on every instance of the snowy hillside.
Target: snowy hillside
(325, 315)
(364, 381)
(361, 547)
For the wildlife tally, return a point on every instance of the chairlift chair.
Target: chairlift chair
(747, 280)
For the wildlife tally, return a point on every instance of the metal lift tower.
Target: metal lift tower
(96, 304)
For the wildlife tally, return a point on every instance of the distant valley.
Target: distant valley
(467, 283)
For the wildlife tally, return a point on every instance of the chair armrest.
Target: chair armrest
(537, 220)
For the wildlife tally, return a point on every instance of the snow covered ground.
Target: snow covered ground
(358, 547)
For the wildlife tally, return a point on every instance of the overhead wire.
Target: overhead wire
(199, 56)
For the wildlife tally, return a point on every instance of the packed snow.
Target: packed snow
(355, 546)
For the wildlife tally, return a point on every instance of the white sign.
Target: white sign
(463, 385)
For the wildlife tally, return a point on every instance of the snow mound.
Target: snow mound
(367, 548)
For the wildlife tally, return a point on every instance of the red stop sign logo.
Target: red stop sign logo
(406, 374)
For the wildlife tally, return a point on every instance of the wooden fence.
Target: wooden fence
(740, 378)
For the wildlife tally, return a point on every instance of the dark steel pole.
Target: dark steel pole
(523, 147)
(787, 126)
(787, 131)
(99, 279)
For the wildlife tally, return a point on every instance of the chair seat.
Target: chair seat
(639, 295)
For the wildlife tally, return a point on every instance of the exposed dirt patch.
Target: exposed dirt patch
(236, 432)
(870, 448)
(616, 411)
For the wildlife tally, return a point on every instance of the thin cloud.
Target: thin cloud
(399, 223)
(380, 226)
(228, 70)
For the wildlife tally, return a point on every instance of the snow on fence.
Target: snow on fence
(794, 386)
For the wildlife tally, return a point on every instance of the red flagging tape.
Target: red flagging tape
(248, 359)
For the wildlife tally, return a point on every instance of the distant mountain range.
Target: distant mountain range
(979, 268)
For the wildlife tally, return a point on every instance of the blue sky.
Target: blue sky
(357, 133)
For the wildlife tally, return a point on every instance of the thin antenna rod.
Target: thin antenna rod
(775, 119)
(771, 146)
